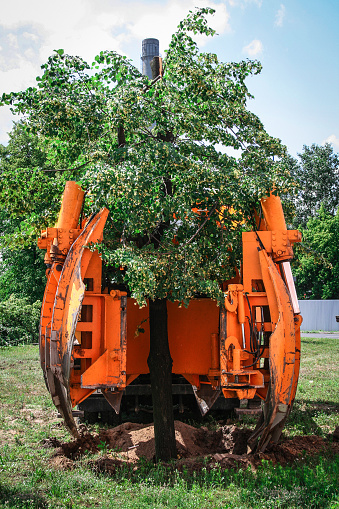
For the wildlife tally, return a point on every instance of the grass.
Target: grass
(28, 480)
(316, 409)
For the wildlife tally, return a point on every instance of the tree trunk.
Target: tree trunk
(160, 365)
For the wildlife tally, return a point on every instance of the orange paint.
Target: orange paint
(227, 348)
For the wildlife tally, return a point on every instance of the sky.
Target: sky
(297, 42)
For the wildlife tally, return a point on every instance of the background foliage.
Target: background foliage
(313, 209)
(318, 177)
(317, 262)
(157, 155)
(19, 321)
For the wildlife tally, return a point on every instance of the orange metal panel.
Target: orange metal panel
(251, 264)
(137, 341)
(95, 327)
(92, 271)
(189, 331)
(71, 206)
(69, 297)
(107, 370)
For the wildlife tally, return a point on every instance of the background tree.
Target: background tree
(155, 153)
(317, 264)
(21, 268)
(312, 208)
(22, 273)
(317, 182)
(29, 188)
(19, 321)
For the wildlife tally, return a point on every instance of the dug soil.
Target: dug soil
(197, 448)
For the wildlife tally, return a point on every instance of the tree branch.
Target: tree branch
(68, 169)
(203, 224)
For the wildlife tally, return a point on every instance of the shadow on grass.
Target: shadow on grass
(304, 413)
(311, 482)
(326, 342)
(20, 498)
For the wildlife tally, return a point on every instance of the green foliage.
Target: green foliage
(19, 321)
(154, 153)
(22, 273)
(317, 266)
(24, 196)
(313, 208)
(29, 193)
(316, 175)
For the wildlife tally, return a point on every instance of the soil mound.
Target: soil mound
(197, 447)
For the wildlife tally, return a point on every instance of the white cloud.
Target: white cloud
(333, 140)
(152, 22)
(279, 18)
(6, 123)
(42, 12)
(29, 53)
(19, 77)
(32, 37)
(254, 48)
(13, 40)
(243, 3)
(85, 27)
(35, 28)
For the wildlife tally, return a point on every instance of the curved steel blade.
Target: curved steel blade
(282, 352)
(46, 319)
(61, 402)
(67, 304)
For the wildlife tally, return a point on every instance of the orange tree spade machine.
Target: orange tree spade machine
(248, 347)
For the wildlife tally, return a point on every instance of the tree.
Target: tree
(312, 208)
(22, 273)
(155, 153)
(21, 270)
(317, 182)
(29, 190)
(317, 262)
(19, 321)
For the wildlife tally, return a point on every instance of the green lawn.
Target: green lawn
(316, 409)
(27, 479)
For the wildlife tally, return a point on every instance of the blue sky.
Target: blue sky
(297, 41)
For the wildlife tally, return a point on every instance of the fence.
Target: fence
(319, 315)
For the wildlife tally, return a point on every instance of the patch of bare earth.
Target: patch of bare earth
(197, 448)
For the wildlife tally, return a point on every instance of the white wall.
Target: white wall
(319, 315)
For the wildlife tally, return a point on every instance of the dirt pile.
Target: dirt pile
(132, 441)
(128, 443)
